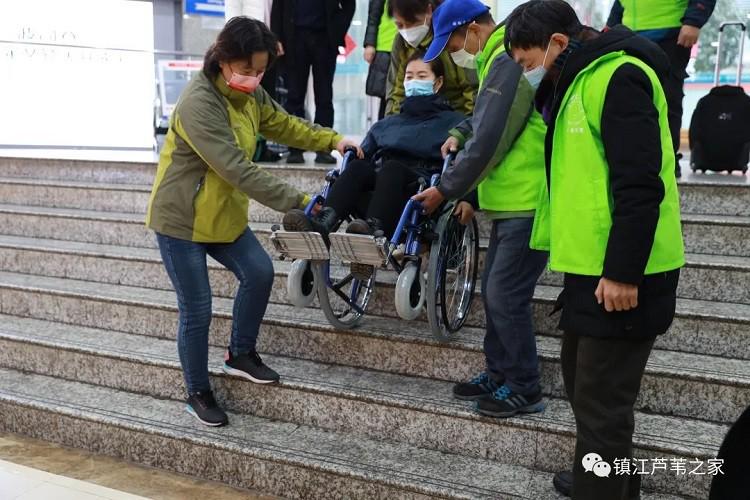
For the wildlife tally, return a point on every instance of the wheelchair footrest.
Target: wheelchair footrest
(358, 248)
(300, 245)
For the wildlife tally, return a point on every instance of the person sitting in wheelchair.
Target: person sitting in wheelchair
(399, 150)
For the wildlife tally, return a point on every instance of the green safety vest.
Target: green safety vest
(514, 185)
(574, 221)
(641, 15)
(387, 31)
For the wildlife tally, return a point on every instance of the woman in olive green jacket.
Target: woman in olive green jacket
(200, 199)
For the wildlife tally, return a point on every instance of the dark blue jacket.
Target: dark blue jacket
(416, 133)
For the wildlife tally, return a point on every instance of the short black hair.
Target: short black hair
(410, 9)
(533, 23)
(436, 65)
(240, 38)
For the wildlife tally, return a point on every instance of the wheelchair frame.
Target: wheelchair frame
(414, 288)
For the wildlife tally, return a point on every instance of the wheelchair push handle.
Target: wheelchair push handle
(350, 153)
(448, 161)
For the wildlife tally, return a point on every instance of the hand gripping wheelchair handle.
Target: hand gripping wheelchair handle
(446, 164)
(448, 161)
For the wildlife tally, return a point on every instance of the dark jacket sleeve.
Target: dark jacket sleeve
(472, 197)
(369, 144)
(374, 13)
(698, 12)
(502, 109)
(462, 131)
(632, 144)
(615, 15)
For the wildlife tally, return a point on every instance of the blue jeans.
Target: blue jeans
(511, 271)
(187, 268)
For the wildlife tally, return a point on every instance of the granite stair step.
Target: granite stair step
(676, 383)
(704, 320)
(720, 195)
(367, 403)
(282, 458)
(710, 235)
(100, 197)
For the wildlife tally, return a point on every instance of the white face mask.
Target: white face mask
(536, 75)
(415, 35)
(464, 58)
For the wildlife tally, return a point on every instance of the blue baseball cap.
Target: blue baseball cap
(450, 15)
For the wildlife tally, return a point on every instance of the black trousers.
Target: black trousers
(679, 57)
(391, 187)
(602, 377)
(312, 50)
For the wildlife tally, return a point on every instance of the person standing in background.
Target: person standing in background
(413, 19)
(270, 80)
(675, 26)
(311, 32)
(379, 36)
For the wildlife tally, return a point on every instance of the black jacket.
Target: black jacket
(374, 14)
(339, 14)
(417, 132)
(631, 138)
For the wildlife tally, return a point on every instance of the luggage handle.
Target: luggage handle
(717, 70)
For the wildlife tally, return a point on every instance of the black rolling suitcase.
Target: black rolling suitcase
(720, 126)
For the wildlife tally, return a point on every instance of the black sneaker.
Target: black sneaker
(563, 482)
(268, 156)
(359, 226)
(249, 366)
(480, 387)
(506, 403)
(325, 158)
(297, 220)
(202, 406)
(295, 156)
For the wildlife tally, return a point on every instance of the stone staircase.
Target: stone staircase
(88, 358)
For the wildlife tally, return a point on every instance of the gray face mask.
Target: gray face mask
(536, 75)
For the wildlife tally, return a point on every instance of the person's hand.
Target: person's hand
(449, 146)
(464, 212)
(616, 296)
(369, 54)
(688, 36)
(431, 198)
(280, 49)
(348, 143)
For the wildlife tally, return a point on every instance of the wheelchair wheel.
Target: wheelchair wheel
(344, 299)
(410, 292)
(452, 275)
(300, 284)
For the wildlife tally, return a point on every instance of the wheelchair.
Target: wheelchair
(435, 257)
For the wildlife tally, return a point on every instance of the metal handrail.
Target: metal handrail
(93, 47)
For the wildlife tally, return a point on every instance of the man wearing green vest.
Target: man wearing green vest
(675, 26)
(611, 222)
(503, 155)
(379, 36)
